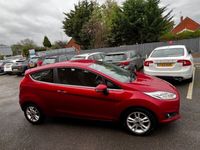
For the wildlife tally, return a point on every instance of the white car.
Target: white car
(8, 65)
(91, 56)
(170, 61)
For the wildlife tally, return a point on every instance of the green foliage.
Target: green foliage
(75, 20)
(98, 28)
(184, 35)
(25, 46)
(46, 42)
(38, 49)
(17, 49)
(141, 21)
(137, 21)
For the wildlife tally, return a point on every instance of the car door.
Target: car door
(77, 96)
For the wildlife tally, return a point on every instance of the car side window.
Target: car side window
(45, 76)
(79, 77)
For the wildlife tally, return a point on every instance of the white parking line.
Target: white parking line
(190, 88)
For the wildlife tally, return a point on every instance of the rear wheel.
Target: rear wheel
(33, 114)
(139, 121)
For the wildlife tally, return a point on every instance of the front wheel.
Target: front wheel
(33, 114)
(139, 121)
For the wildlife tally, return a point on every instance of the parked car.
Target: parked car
(170, 61)
(20, 67)
(129, 60)
(54, 59)
(99, 91)
(8, 66)
(91, 56)
(2, 63)
(35, 61)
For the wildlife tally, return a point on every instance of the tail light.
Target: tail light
(185, 62)
(146, 63)
(125, 63)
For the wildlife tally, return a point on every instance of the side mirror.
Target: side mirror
(102, 88)
(190, 52)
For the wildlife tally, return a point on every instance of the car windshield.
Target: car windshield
(115, 57)
(170, 52)
(49, 60)
(78, 57)
(113, 71)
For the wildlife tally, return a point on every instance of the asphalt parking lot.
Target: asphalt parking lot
(65, 133)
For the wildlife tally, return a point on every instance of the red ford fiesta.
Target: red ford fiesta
(99, 91)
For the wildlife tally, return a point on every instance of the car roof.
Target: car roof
(71, 63)
(170, 46)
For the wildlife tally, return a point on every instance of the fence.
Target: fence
(145, 49)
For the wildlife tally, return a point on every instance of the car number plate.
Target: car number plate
(15, 69)
(165, 64)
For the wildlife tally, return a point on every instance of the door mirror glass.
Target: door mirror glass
(102, 88)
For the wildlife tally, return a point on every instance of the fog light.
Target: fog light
(170, 115)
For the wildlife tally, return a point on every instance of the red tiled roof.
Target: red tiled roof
(188, 24)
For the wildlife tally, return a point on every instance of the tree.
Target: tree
(75, 20)
(46, 42)
(17, 49)
(26, 45)
(98, 28)
(140, 21)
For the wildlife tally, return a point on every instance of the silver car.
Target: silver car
(130, 60)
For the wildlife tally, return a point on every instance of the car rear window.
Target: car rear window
(171, 52)
(115, 57)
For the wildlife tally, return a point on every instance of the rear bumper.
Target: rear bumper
(7, 69)
(185, 73)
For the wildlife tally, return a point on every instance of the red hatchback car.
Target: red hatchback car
(98, 91)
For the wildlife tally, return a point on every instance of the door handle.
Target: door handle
(61, 91)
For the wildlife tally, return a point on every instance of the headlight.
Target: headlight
(161, 95)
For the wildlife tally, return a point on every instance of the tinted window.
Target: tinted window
(133, 54)
(73, 76)
(45, 76)
(171, 52)
(115, 57)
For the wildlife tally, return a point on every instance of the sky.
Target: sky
(33, 19)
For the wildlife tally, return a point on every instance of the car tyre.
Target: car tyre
(33, 114)
(139, 121)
